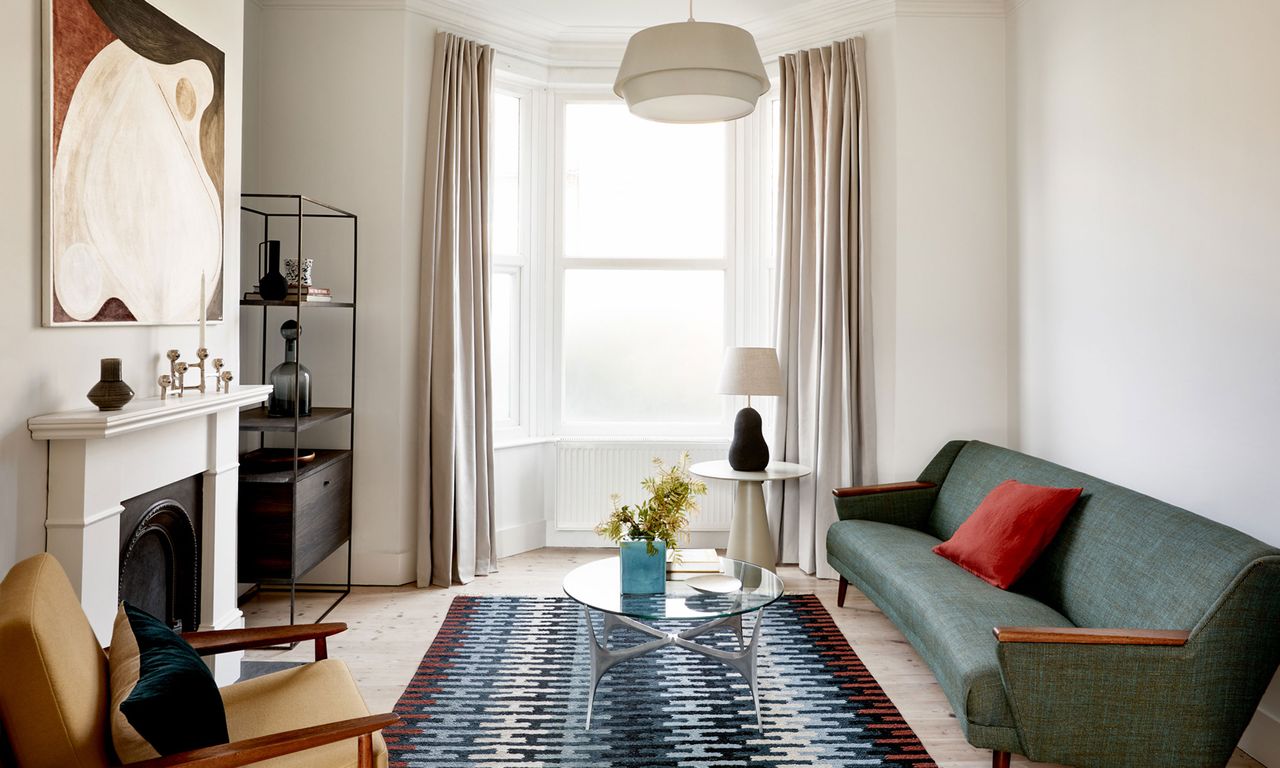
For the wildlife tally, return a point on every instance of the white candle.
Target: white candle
(203, 309)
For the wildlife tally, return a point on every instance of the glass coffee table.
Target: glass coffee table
(597, 586)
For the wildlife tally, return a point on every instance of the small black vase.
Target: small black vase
(271, 285)
(748, 452)
(111, 393)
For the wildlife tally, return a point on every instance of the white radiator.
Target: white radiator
(588, 472)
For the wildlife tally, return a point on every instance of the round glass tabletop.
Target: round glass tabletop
(597, 585)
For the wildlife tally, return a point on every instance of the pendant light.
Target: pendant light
(691, 72)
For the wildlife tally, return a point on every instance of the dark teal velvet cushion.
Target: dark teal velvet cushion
(176, 705)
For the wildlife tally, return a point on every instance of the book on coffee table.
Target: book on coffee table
(693, 561)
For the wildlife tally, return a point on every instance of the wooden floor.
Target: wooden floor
(391, 628)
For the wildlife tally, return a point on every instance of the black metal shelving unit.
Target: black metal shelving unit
(308, 500)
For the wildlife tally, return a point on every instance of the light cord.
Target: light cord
(690, 10)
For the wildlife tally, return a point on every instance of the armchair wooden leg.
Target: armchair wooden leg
(999, 760)
(364, 749)
(844, 588)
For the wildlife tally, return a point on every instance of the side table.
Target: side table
(749, 538)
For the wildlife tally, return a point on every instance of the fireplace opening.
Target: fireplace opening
(160, 553)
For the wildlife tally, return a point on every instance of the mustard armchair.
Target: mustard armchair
(54, 691)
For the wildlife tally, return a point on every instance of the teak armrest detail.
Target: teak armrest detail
(239, 753)
(226, 640)
(868, 490)
(1087, 636)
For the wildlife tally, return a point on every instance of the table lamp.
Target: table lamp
(749, 371)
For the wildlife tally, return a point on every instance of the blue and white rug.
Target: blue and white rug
(505, 684)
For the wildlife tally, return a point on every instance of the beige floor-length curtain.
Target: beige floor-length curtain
(823, 333)
(455, 436)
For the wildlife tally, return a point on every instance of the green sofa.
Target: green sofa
(1144, 636)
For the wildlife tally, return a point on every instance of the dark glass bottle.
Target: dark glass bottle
(283, 377)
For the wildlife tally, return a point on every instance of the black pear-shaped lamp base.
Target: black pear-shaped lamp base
(748, 452)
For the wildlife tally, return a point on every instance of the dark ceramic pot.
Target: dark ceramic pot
(111, 393)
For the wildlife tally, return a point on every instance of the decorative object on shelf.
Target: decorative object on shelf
(749, 371)
(110, 393)
(291, 273)
(645, 531)
(131, 97)
(691, 72)
(271, 284)
(287, 375)
(221, 379)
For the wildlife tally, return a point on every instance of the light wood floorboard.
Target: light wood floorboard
(390, 629)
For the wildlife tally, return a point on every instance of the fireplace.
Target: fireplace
(160, 553)
(173, 552)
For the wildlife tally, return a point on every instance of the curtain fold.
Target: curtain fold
(823, 331)
(455, 437)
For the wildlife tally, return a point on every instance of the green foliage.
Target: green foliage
(664, 515)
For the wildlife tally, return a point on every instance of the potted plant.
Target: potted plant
(646, 530)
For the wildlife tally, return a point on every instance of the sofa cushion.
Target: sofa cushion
(1008, 531)
(945, 612)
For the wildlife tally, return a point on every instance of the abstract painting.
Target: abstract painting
(134, 147)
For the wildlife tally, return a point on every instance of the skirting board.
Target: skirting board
(525, 537)
(1262, 739)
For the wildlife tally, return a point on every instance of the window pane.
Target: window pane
(505, 175)
(504, 303)
(643, 345)
(634, 188)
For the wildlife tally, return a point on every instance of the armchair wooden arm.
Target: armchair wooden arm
(1087, 636)
(226, 640)
(249, 751)
(868, 490)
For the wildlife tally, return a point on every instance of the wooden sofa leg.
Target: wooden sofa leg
(999, 760)
(844, 588)
(364, 747)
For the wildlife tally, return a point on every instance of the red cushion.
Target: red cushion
(1008, 531)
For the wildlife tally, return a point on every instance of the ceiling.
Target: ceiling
(633, 14)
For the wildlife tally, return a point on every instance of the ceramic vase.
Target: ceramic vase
(110, 393)
(643, 573)
(271, 284)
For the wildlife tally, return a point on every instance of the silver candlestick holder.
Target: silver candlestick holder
(175, 379)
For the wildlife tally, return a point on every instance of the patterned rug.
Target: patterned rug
(505, 684)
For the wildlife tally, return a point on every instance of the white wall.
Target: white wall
(941, 348)
(1146, 253)
(50, 369)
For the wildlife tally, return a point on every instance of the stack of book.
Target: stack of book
(307, 293)
(693, 561)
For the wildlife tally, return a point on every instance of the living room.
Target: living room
(850, 232)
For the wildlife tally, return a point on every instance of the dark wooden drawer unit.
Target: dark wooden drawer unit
(272, 535)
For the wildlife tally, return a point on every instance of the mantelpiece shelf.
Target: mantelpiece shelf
(284, 474)
(307, 304)
(257, 420)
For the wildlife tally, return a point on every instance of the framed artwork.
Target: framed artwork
(134, 143)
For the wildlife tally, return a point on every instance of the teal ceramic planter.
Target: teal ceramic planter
(643, 573)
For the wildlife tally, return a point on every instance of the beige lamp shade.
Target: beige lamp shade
(750, 371)
(691, 72)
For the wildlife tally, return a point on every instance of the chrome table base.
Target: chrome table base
(604, 658)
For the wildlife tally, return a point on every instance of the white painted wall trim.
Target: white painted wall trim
(1262, 738)
(524, 537)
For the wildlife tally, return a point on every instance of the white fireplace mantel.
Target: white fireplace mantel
(98, 459)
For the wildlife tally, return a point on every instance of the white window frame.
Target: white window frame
(560, 263)
(521, 266)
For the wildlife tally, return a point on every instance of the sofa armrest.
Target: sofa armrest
(249, 751)
(871, 490)
(905, 504)
(1088, 636)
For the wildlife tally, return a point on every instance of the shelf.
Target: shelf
(257, 420)
(324, 459)
(307, 304)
